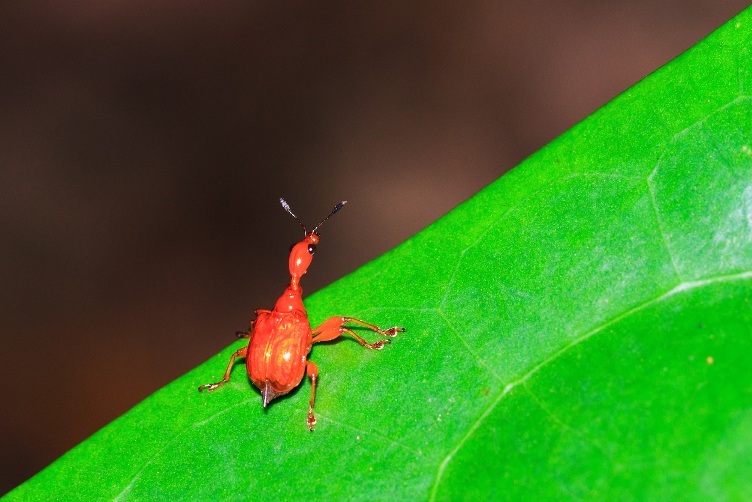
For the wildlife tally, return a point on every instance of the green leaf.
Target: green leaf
(581, 328)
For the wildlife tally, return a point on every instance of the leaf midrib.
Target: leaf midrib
(679, 288)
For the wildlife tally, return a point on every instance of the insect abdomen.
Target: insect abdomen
(279, 348)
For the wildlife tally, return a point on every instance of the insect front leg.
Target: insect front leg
(335, 326)
(211, 386)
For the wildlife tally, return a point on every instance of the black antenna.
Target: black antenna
(287, 208)
(336, 208)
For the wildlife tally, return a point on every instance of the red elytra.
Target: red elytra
(281, 339)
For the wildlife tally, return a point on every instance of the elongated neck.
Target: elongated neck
(291, 300)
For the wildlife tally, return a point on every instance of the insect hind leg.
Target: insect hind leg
(335, 326)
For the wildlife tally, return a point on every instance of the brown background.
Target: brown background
(144, 145)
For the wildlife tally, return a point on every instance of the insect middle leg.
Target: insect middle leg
(335, 326)
(211, 386)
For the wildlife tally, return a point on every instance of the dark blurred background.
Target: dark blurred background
(144, 146)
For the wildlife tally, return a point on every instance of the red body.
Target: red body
(278, 350)
(276, 356)
(281, 338)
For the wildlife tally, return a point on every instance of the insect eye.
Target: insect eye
(311, 248)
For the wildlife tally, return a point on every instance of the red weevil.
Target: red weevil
(276, 356)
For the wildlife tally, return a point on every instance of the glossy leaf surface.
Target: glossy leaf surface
(581, 328)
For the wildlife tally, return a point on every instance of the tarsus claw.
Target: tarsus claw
(311, 421)
(378, 345)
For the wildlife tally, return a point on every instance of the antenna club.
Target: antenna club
(287, 208)
(336, 208)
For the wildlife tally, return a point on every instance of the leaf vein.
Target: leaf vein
(661, 228)
(477, 358)
(170, 442)
(362, 432)
(565, 425)
(683, 286)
